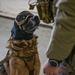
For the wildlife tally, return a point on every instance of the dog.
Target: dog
(22, 44)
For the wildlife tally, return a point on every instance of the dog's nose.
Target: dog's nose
(35, 17)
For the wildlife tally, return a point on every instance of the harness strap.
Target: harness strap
(29, 62)
(31, 72)
(5, 59)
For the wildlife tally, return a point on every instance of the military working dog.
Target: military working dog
(22, 46)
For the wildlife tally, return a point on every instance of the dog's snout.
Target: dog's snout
(35, 17)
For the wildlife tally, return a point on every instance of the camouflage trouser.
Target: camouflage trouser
(66, 69)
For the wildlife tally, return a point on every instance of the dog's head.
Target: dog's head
(27, 21)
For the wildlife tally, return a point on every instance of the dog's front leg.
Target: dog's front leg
(18, 67)
(37, 65)
(12, 66)
(6, 68)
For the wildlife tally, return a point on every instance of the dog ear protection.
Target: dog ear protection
(27, 21)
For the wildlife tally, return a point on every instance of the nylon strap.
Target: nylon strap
(5, 59)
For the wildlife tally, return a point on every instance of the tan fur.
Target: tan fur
(18, 67)
(17, 63)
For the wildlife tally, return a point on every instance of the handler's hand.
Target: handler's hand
(49, 70)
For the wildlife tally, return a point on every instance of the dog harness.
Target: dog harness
(24, 49)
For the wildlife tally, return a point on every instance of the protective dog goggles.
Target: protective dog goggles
(29, 24)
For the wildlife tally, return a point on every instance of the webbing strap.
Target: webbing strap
(5, 59)
(31, 72)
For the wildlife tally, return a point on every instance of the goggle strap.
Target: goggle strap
(23, 21)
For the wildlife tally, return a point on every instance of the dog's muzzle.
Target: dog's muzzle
(31, 25)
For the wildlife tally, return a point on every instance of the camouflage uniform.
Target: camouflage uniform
(62, 42)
